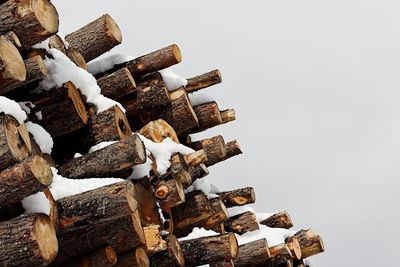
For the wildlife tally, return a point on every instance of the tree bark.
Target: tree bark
(198, 172)
(133, 258)
(208, 249)
(171, 257)
(169, 193)
(279, 220)
(242, 223)
(255, 253)
(203, 81)
(208, 115)
(238, 197)
(32, 20)
(112, 161)
(12, 67)
(158, 130)
(28, 240)
(95, 38)
(24, 179)
(117, 84)
(214, 147)
(280, 254)
(105, 257)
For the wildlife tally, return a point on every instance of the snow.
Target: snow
(197, 233)
(26, 106)
(39, 115)
(141, 170)
(41, 136)
(42, 45)
(198, 98)
(63, 187)
(61, 70)
(104, 64)
(12, 108)
(274, 236)
(203, 185)
(172, 80)
(101, 145)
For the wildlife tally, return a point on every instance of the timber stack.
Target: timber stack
(111, 117)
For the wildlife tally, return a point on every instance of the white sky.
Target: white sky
(316, 88)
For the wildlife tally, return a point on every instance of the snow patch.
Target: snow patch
(12, 108)
(200, 98)
(172, 80)
(104, 64)
(197, 233)
(41, 136)
(101, 145)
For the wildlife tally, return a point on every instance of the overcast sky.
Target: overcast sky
(316, 88)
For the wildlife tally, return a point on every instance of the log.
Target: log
(56, 42)
(53, 214)
(33, 21)
(294, 247)
(133, 258)
(114, 160)
(196, 158)
(203, 81)
(238, 197)
(147, 205)
(154, 242)
(28, 240)
(76, 57)
(178, 170)
(13, 148)
(158, 130)
(208, 249)
(53, 107)
(24, 179)
(222, 264)
(278, 220)
(172, 256)
(12, 67)
(13, 38)
(108, 125)
(104, 257)
(242, 223)
(208, 115)
(227, 115)
(198, 172)
(117, 84)
(232, 149)
(280, 254)
(169, 193)
(218, 215)
(95, 38)
(255, 253)
(310, 243)
(180, 114)
(214, 147)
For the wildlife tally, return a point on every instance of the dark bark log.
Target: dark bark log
(12, 67)
(28, 240)
(279, 220)
(95, 38)
(198, 172)
(133, 258)
(180, 115)
(238, 197)
(179, 170)
(280, 254)
(117, 84)
(208, 249)
(227, 115)
(13, 148)
(169, 193)
(196, 158)
(232, 149)
(53, 107)
(222, 264)
(158, 130)
(109, 125)
(105, 257)
(208, 115)
(218, 215)
(24, 179)
(214, 147)
(147, 205)
(242, 223)
(171, 257)
(112, 161)
(13, 38)
(32, 20)
(154, 242)
(203, 81)
(310, 243)
(255, 253)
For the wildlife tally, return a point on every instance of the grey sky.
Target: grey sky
(316, 88)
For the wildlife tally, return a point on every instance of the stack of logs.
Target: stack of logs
(130, 223)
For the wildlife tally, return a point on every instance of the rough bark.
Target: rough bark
(208, 115)
(171, 257)
(222, 264)
(255, 253)
(12, 67)
(242, 223)
(214, 148)
(238, 197)
(294, 246)
(117, 84)
(232, 149)
(32, 20)
(203, 81)
(28, 240)
(133, 258)
(57, 42)
(279, 220)
(24, 179)
(280, 254)
(104, 257)
(169, 193)
(154, 242)
(53, 107)
(158, 130)
(198, 172)
(53, 214)
(179, 170)
(114, 160)
(208, 249)
(95, 38)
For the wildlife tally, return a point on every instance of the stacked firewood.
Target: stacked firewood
(143, 221)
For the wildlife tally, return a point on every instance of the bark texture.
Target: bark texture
(238, 197)
(255, 253)
(203, 81)
(117, 84)
(242, 223)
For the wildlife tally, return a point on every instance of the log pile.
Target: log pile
(158, 212)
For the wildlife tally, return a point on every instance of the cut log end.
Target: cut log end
(228, 115)
(176, 53)
(12, 66)
(15, 140)
(131, 196)
(176, 250)
(279, 220)
(41, 170)
(13, 38)
(196, 158)
(142, 260)
(110, 255)
(124, 130)
(234, 245)
(73, 94)
(47, 16)
(113, 31)
(137, 225)
(45, 236)
(141, 154)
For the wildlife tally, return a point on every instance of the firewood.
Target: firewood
(242, 223)
(24, 179)
(117, 84)
(53, 214)
(108, 125)
(147, 205)
(104, 257)
(12, 67)
(180, 114)
(53, 107)
(198, 172)
(95, 38)
(310, 243)
(13, 148)
(219, 214)
(222, 264)
(112, 161)
(32, 20)
(280, 254)
(196, 158)
(294, 247)
(254, 253)
(278, 220)
(150, 79)
(232, 149)
(158, 130)
(208, 115)
(208, 249)
(238, 197)
(28, 240)
(227, 115)
(203, 81)
(178, 169)
(172, 256)
(13, 38)
(214, 147)
(154, 242)
(133, 258)
(56, 42)
(76, 57)
(169, 193)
